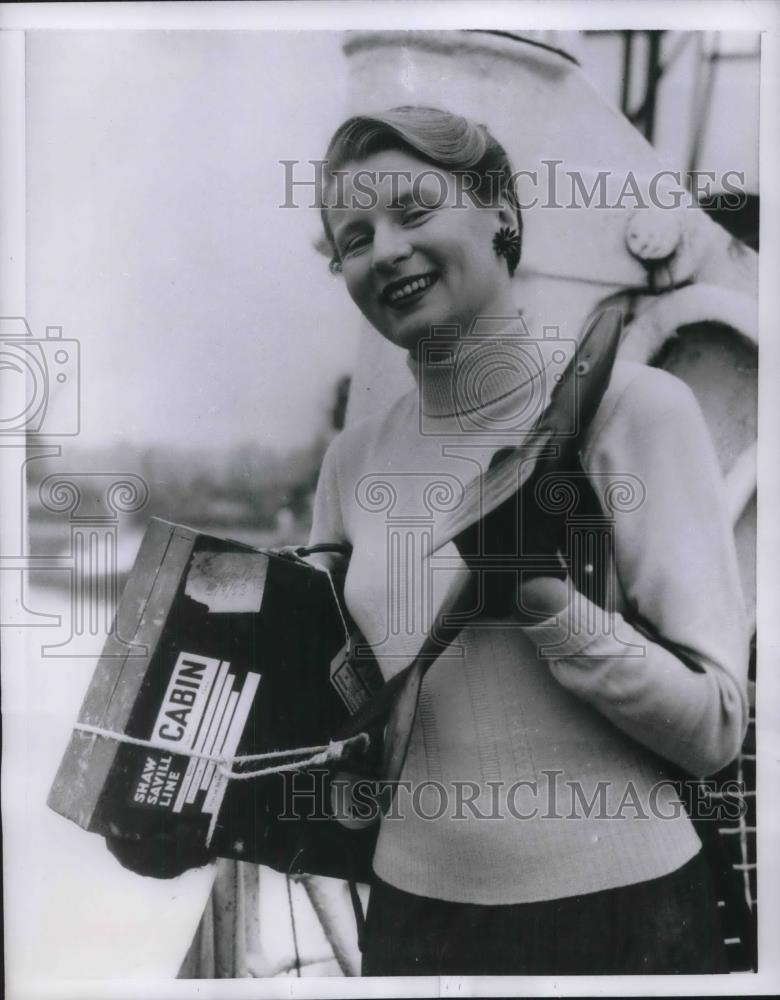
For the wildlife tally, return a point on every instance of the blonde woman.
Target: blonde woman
(540, 833)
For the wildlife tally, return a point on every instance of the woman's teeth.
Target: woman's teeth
(410, 288)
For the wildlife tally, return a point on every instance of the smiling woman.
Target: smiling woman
(411, 219)
(604, 694)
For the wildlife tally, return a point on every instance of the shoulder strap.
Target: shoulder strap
(586, 541)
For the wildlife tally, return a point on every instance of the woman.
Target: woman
(539, 833)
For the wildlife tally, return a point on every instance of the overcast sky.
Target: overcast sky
(154, 236)
(155, 239)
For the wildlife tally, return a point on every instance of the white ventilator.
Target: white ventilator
(577, 250)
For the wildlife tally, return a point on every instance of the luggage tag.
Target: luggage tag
(355, 678)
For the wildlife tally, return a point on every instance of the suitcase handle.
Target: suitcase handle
(306, 550)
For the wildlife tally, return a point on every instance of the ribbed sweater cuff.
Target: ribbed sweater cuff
(571, 631)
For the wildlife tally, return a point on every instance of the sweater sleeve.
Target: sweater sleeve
(683, 695)
(327, 517)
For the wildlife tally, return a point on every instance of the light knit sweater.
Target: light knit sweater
(521, 729)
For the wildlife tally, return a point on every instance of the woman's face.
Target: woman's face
(416, 252)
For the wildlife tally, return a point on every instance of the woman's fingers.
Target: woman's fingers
(545, 596)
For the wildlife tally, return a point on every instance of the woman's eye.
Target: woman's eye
(355, 245)
(416, 214)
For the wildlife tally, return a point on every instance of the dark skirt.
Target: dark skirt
(667, 925)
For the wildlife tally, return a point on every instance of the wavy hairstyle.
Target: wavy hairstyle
(441, 138)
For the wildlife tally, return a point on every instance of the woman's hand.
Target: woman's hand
(676, 569)
(161, 857)
(542, 597)
(287, 552)
(355, 799)
(333, 557)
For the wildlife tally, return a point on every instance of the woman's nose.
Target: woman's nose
(391, 247)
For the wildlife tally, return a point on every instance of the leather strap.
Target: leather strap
(357, 906)
(572, 405)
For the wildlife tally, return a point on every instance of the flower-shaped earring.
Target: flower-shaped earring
(506, 243)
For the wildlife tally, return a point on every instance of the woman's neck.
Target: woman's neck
(458, 374)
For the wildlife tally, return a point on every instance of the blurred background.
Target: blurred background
(215, 345)
(214, 359)
(213, 340)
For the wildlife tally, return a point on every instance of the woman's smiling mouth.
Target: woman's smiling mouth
(406, 290)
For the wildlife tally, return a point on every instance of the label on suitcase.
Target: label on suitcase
(218, 651)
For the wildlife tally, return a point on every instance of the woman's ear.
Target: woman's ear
(506, 216)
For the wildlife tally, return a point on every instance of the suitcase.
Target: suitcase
(225, 651)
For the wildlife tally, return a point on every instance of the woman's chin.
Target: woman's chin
(410, 340)
(406, 335)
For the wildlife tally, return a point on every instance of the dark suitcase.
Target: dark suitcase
(224, 651)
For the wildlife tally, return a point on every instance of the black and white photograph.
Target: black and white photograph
(387, 569)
